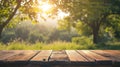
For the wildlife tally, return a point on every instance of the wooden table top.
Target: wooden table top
(75, 57)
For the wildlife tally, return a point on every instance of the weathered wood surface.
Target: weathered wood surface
(60, 58)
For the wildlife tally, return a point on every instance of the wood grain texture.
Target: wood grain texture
(85, 56)
(114, 55)
(60, 58)
(75, 57)
(95, 56)
(59, 55)
(44, 55)
(4, 54)
(25, 55)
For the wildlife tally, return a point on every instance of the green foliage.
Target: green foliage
(26, 31)
(115, 6)
(111, 44)
(91, 13)
(83, 29)
(65, 24)
(14, 11)
(17, 45)
(6, 7)
(58, 45)
(8, 36)
(114, 24)
(2, 46)
(86, 17)
(84, 41)
(61, 45)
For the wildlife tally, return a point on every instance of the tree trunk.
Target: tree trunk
(95, 35)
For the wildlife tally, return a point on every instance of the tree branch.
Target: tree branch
(12, 14)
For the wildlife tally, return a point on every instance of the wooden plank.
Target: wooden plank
(59, 55)
(99, 61)
(86, 56)
(100, 52)
(42, 56)
(75, 57)
(26, 55)
(4, 54)
(115, 52)
(110, 54)
(96, 57)
(46, 56)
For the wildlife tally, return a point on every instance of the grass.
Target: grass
(57, 45)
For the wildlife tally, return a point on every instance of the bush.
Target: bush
(84, 41)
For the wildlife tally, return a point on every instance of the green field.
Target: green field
(58, 45)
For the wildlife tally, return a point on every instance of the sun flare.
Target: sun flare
(48, 9)
(62, 14)
(45, 7)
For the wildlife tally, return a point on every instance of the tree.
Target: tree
(114, 23)
(83, 29)
(92, 13)
(11, 8)
(65, 25)
(113, 19)
(7, 12)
